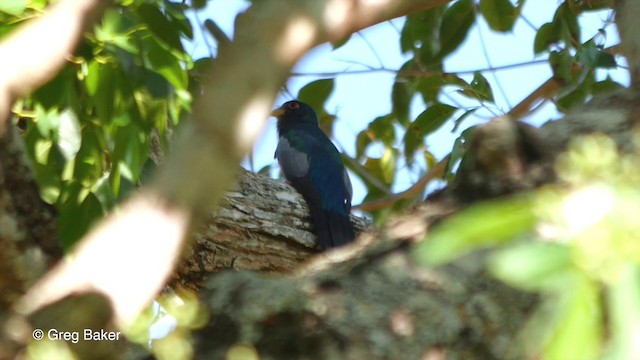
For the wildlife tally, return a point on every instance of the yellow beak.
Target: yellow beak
(277, 112)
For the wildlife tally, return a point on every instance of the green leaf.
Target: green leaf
(544, 37)
(89, 161)
(479, 226)
(160, 26)
(533, 266)
(60, 91)
(429, 87)
(383, 168)
(427, 122)
(456, 23)
(420, 31)
(100, 85)
(578, 322)
(479, 88)
(624, 307)
(176, 16)
(401, 95)
(381, 128)
(462, 117)
(431, 119)
(81, 210)
(13, 7)
(316, 93)
(457, 152)
(164, 63)
(605, 86)
(500, 14)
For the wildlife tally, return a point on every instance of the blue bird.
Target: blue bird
(313, 166)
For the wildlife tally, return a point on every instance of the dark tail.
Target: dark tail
(333, 229)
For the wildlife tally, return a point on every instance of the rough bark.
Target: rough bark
(261, 225)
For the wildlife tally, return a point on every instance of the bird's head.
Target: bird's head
(295, 112)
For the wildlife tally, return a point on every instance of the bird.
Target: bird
(313, 166)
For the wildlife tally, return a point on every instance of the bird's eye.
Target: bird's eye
(293, 106)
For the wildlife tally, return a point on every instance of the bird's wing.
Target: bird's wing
(347, 185)
(294, 163)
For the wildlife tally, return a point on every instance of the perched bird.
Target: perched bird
(313, 166)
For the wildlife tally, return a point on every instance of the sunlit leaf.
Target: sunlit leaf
(478, 226)
(578, 322)
(624, 307)
(13, 7)
(533, 266)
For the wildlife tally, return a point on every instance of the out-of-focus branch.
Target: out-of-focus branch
(36, 52)
(270, 38)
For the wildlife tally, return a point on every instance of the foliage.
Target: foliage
(575, 244)
(89, 130)
(428, 38)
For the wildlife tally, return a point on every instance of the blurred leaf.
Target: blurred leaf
(478, 226)
(456, 23)
(13, 7)
(500, 14)
(316, 93)
(384, 167)
(624, 307)
(381, 128)
(69, 135)
(578, 322)
(479, 88)
(533, 266)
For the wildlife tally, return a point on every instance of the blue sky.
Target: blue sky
(360, 98)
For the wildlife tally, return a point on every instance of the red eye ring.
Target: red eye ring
(293, 106)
